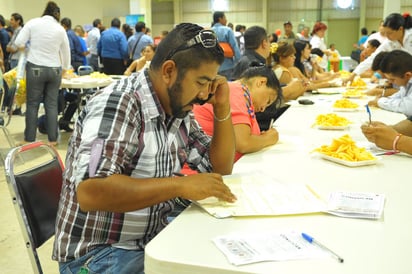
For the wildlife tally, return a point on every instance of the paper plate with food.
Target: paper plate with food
(345, 105)
(353, 93)
(331, 121)
(344, 151)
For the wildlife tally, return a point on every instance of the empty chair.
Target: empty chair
(34, 174)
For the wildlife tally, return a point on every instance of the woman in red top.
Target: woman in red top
(253, 92)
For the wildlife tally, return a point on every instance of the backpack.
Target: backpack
(227, 49)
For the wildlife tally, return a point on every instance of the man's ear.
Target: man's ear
(169, 71)
(408, 74)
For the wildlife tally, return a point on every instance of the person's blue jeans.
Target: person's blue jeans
(105, 260)
(43, 84)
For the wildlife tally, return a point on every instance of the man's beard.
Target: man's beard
(175, 97)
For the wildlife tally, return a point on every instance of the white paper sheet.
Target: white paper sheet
(246, 248)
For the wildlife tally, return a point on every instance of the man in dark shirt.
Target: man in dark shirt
(257, 49)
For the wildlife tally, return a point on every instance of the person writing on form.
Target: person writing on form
(129, 139)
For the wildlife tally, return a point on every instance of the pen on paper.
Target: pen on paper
(369, 114)
(311, 240)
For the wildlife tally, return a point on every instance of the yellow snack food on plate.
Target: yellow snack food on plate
(345, 148)
(331, 120)
(345, 103)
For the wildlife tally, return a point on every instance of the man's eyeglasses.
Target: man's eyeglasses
(207, 38)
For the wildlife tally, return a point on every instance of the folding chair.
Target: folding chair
(84, 70)
(35, 186)
(85, 93)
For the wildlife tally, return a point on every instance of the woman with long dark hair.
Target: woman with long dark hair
(398, 30)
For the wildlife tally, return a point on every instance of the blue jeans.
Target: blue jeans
(107, 259)
(43, 84)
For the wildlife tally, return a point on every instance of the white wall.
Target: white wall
(79, 11)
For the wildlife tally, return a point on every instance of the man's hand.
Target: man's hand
(203, 185)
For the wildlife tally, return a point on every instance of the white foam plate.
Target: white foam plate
(335, 90)
(348, 163)
(346, 109)
(352, 96)
(332, 127)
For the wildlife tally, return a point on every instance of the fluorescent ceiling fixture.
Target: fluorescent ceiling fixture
(344, 4)
(220, 5)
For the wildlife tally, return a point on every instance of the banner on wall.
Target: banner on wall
(132, 19)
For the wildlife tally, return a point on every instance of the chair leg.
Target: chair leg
(7, 135)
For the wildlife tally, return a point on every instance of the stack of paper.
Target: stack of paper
(263, 195)
(259, 195)
(356, 205)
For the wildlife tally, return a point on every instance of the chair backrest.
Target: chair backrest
(84, 70)
(35, 187)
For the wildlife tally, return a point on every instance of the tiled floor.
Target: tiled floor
(14, 258)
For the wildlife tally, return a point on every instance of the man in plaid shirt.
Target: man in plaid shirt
(128, 141)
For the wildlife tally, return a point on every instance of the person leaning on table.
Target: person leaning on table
(387, 89)
(398, 30)
(397, 68)
(118, 186)
(256, 89)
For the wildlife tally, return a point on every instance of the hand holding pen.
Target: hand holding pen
(369, 114)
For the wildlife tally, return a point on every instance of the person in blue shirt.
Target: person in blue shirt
(142, 40)
(76, 51)
(225, 34)
(78, 29)
(112, 49)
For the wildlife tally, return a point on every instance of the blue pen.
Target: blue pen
(369, 113)
(311, 240)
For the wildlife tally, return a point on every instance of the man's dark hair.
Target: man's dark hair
(254, 37)
(190, 58)
(116, 23)
(374, 43)
(17, 17)
(217, 15)
(96, 22)
(364, 31)
(140, 26)
(376, 64)
(397, 62)
(66, 22)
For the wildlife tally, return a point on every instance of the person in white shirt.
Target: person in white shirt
(379, 35)
(93, 37)
(48, 58)
(397, 67)
(317, 41)
(398, 30)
